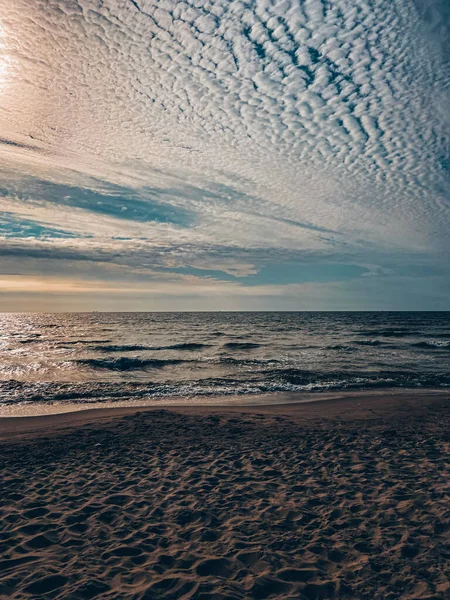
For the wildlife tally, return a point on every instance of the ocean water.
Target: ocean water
(107, 357)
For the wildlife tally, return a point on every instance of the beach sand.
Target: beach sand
(345, 498)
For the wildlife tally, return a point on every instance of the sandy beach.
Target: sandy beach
(346, 498)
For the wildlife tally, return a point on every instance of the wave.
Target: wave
(230, 360)
(120, 348)
(338, 347)
(241, 345)
(189, 346)
(288, 380)
(185, 346)
(370, 343)
(390, 332)
(76, 342)
(357, 380)
(14, 391)
(124, 363)
(437, 345)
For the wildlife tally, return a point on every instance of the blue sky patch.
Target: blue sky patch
(115, 201)
(12, 226)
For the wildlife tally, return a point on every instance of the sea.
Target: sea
(100, 357)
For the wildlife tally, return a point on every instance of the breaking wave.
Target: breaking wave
(433, 344)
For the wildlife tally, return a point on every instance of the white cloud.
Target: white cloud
(328, 123)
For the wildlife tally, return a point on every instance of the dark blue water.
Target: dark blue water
(95, 357)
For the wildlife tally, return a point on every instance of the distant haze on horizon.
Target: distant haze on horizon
(158, 155)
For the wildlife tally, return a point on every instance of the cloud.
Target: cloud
(229, 137)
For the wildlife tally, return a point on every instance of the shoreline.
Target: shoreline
(36, 409)
(350, 406)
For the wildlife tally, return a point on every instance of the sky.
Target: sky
(224, 155)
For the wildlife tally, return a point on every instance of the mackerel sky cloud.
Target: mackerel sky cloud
(290, 154)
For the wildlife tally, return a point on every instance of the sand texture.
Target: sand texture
(236, 504)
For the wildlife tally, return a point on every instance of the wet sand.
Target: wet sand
(346, 498)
